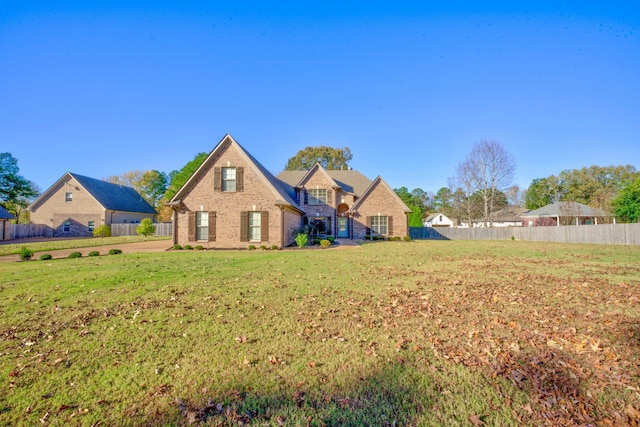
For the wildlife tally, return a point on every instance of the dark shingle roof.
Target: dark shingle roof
(350, 181)
(114, 197)
(4, 214)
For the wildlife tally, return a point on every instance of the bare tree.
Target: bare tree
(487, 170)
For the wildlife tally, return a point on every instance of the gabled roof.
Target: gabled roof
(374, 183)
(4, 214)
(113, 197)
(565, 209)
(283, 196)
(435, 215)
(508, 214)
(349, 181)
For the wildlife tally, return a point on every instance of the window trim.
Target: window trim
(226, 182)
(91, 225)
(377, 225)
(66, 226)
(68, 197)
(317, 196)
(200, 229)
(252, 228)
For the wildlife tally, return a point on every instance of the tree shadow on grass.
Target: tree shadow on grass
(390, 396)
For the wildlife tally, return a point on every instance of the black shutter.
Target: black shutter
(329, 200)
(264, 226)
(191, 229)
(212, 226)
(306, 197)
(390, 226)
(239, 179)
(217, 179)
(244, 226)
(368, 226)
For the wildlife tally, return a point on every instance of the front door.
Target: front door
(343, 227)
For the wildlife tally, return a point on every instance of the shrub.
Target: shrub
(102, 231)
(263, 247)
(146, 227)
(367, 237)
(198, 248)
(274, 247)
(331, 239)
(301, 240)
(252, 247)
(325, 243)
(25, 253)
(177, 247)
(376, 237)
(394, 238)
(513, 237)
(316, 240)
(45, 257)
(75, 255)
(407, 238)
(187, 247)
(94, 253)
(115, 251)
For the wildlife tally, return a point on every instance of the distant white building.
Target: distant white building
(437, 220)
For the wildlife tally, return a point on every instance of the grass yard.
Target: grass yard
(55, 244)
(392, 333)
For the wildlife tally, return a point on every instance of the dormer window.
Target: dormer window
(317, 196)
(68, 197)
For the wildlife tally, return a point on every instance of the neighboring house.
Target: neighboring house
(511, 216)
(438, 220)
(232, 201)
(74, 205)
(564, 213)
(5, 224)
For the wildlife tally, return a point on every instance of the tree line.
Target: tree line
(481, 185)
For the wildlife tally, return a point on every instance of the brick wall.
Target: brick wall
(257, 195)
(381, 202)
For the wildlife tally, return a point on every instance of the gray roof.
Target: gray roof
(565, 209)
(4, 214)
(349, 180)
(114, 197)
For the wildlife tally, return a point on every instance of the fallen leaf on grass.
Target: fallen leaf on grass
(476, 420)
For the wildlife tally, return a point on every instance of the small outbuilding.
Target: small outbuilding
(438, 220)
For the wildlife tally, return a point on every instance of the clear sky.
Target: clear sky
(102, 88)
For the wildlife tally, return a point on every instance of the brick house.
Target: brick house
(5, 224)
(232, 201)
(74, 205)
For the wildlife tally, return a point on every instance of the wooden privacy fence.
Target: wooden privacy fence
(162, 229)
(25, 231)
(614, 234)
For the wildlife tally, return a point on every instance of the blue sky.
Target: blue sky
(100, 89)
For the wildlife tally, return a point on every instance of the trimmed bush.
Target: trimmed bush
(367, 237)
(263, 247)
(146, 227)
(187, 247)
(331, 239)
(252, 247)
(316, 240)
(394, 238)
(25, 253)
(115, 251)
(325, 243)
(45, 257)
(274, 247)
(177, 247)
(198, 248)
(301, 240)
(407, 238)
(94, 253)
(75, 255)
(102, 231)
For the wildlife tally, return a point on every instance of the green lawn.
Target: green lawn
(389, 333)
(52, 245)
